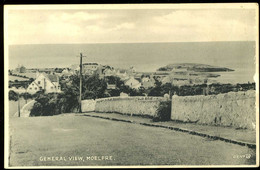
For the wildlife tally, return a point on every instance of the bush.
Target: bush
(36, 110)
(163, 111)
(26, 96)
(13, 95)
(45, 105)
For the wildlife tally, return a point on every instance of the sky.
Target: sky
(49, 26)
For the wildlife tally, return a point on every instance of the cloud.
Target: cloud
(93, 26)
(82, 16)
(126, 25)
(206, 25)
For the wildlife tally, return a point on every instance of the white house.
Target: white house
(132, 69)
(89, 68)
(109, 72)
(147, 82)
(145, 79)
(122, 74)
(43, 81)
(133, 83)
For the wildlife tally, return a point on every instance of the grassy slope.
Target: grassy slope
(13, 78)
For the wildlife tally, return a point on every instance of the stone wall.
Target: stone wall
(88, 105)
(129, 105)
(236, 109)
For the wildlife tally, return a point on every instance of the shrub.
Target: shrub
(13, 95)
(26, 96)
(36, 110)
(45, 105)
(163, 111)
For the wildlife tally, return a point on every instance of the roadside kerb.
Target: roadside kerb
(250, 145)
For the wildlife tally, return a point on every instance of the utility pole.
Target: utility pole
(80, 82)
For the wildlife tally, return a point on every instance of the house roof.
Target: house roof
(53, 78)
(131, 78)
(148, 84)
(90, 64)
(121, 70)
(138, 79)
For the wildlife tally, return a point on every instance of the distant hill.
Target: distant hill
(194, 67)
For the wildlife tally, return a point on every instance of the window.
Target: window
(30, 88)
(51, 87)
(32, 84)
(40, 88)
(39, 82)
(35, 88)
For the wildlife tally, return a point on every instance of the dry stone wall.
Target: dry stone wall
(129, 105)
(236, 109)
(88, 105)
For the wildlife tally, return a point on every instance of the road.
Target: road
(36, 141)
(13, 106)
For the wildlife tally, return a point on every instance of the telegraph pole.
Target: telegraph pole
(80, 82)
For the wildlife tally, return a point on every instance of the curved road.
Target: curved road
(26, 109)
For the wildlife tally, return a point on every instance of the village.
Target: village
(131, 112)
(32, 80)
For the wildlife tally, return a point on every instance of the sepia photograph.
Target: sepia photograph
(131, 85)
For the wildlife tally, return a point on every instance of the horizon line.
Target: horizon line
(116, 67)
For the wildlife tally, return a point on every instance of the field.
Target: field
(27, 74)
(13, 78)
(57, 140)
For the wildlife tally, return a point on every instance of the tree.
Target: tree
(94, 84)
(142, 91)
(89, 95)
(70, 96)
(112, 79)
(26, 96)
(114, 92)
(46, 105)
(68, 100)
(125, 89)
(36, 109)
(157, 90)
(166, 88)
(13, 95)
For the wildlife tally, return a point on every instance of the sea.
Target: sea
(145, 57)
